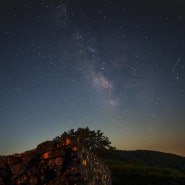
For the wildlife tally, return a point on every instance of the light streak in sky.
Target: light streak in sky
(176, 64)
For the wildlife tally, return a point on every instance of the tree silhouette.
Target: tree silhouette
(93, 140)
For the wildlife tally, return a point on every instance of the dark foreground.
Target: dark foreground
(146, 168)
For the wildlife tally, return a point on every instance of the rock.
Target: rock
(22, 180)
(30, 158)
(5, 173)
(13, 160)
(3, 162)
(45, 146)
(33, 180)
(18, 169)
(54, 163)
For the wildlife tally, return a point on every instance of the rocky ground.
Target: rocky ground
(54, 163)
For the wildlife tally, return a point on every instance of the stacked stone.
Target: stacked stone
(54, 163)
(93, 169)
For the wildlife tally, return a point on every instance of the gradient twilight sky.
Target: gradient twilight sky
(117, 66)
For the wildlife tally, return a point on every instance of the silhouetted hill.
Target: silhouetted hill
(142, 167)
(151, 158)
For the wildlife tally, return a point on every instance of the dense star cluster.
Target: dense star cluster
(117, 66)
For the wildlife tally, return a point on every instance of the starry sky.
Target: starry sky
(117, 66)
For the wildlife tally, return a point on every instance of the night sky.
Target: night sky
(117, 66)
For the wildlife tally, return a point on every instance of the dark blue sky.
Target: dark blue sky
(117, 66)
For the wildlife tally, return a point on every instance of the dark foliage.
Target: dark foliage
(93, 140)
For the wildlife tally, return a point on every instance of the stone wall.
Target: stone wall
(54, 163)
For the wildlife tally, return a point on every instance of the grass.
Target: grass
(135, 174)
